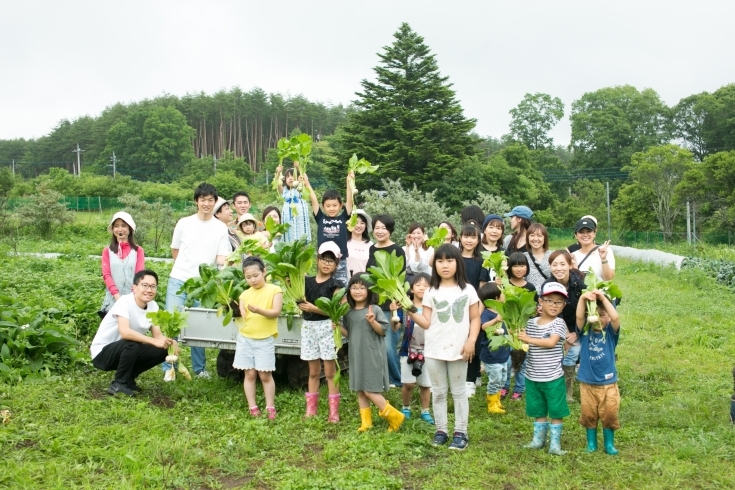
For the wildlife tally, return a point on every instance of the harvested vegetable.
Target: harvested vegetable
(335, 309)
(438, 237)
(519, 306)
(170, 325)
(496, 261)
(288, 265)
(220, 289)
(388, 279)
(296, 148)
(355, 167)
(608, 288)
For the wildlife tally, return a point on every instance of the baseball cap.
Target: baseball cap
(553, 287)
(585, 223)
(521, 212)
(330, 247)
(123, 216)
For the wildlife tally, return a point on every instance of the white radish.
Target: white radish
(524, 347)
(593, 319)
(172, 359)
(395, 318)
(499, 331)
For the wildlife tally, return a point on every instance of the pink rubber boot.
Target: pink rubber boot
(333, 408)
(312, 400)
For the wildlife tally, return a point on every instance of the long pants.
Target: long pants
(496, 374)
(173, 300)
(520, 376)
(445, 376)
(128, 359)
(391, 349)
(473, 367)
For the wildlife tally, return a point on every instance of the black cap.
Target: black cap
(585, 223)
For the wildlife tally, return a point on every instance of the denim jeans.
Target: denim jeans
(341, 273)
(173, 300)
(446, 376)
(520, 386)
(572, 355)
(391, 348)
(496, 375)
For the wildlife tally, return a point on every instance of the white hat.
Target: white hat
(368, 221)
(330, 247)
(220, 202)
(554, 287)
(246, 217)
(123, 216)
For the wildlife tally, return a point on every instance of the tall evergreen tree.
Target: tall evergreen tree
(409, 121)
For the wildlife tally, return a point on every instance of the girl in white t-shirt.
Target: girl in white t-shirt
(451, 318)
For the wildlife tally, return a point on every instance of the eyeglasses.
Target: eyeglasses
(357, 289)
(328, 261)
(147, 287)
(554, 302)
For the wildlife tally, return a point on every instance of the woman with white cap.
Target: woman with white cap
(358, 244)
(120, 260)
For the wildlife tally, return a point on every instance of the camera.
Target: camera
(416, 360)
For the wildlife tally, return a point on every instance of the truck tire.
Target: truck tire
(297, 373)
(225, 358)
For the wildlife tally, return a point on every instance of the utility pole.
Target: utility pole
(689, 225)
(13, 166)
(114, 165)
(78, 151)
(609, 225)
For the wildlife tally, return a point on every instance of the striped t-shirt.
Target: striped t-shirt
(542, 363)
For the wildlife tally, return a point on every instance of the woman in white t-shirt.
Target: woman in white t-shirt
(597, 258)
(419, 256)
(358, 244)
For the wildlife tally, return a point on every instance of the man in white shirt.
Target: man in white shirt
(198, 239)
(121, 343)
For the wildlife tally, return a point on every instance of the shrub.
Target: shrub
(45, 212)
(154, 221)
(722, 270)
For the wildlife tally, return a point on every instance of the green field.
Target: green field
(675, 358)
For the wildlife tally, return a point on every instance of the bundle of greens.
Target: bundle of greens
(335, 309)
(496, 261)
(608, 288)
(220, 289)
(288, 265)
(355, 167)
(170, 325)
(274, 229)
(296, 148)
(249, 246)
(519, 306)
(388, 279)
(437, 238)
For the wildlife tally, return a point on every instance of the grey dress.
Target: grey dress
(368, 358)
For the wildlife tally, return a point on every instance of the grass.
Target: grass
(675, 359)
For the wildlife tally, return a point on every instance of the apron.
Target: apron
(122, 271)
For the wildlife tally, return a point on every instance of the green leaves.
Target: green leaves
(289, 264)
(388, 279)
(169, 323)
(519, 306)
(438, 237)
(216, 289)
(496, 261)
(274, 229)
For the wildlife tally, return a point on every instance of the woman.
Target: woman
(120, 260)
(520, 220)
(597, 258)
(537, 239)
(419, 256)
(358, 244)
(452, 233)
(493, 228)
(560, 264)
(275, 215)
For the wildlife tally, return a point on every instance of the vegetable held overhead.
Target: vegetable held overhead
(298, 149)
(355, 167)
(388, 279)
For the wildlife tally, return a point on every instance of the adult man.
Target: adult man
(223, 212)
(198, 239)
(241, 202)
(121, 343)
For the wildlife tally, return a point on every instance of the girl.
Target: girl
(452, 235)
(451, 318)
(493, 228)
(247, 229)
(120, 260)
(260, 306)
(365, 325)
(295, 209)
(560, 263)
(475, 276)
(317, 337)
(520, 220)
(518, 270)
(418, 255)
(538, 256)
(358, 244)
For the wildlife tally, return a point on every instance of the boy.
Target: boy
(494, 360)
(598, 376)
(545, 389)
(331, 222)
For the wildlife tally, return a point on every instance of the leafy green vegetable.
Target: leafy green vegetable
(388, 279)
(519, 306)
(296, 148)
(360, 166)
(249, 246)
(335, 309)
(496, 261)
(608, 288)
(220, 289)
(170, 325)
(289, 265)
(438, 237)
(275, 229)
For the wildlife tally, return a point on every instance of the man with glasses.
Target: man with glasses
(122, 342)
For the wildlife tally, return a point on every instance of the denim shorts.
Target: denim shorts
(258, 354)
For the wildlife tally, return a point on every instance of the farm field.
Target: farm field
(675, 360)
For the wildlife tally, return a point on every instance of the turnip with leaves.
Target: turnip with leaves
(170, 325)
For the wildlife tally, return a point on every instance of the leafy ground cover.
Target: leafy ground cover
(675, 360)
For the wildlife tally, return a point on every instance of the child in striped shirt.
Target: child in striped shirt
(545, 388)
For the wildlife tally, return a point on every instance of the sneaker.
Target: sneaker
(204, 374)
(406, 413)
(459, 441)
(440, 438)
(503, 393)
(134, 386)
(426, 417)
(271, 413)
(255, 412)
(116, 388)
(516, 396)
(470, 389)
(478, 382)
(169, 376)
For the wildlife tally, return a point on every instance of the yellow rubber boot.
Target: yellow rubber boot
(366, 415)
(493, 404)
(393, 417)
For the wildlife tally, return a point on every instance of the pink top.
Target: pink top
(123, 249)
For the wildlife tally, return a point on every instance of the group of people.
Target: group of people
(445, 336)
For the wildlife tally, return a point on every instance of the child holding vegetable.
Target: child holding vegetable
(295, 209)
(545, 391)
(260, 306)
(365, 325)
(451, 317)
(495, 361)
(598, 376)
(518, 270)
(317, 336)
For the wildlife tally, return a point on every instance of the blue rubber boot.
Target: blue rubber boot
(539, 435)
(609, 437)
(591, 440)
(555, 440)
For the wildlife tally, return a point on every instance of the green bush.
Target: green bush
(722, 270)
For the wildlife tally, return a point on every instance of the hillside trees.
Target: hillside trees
(534, 117)
(711, 186)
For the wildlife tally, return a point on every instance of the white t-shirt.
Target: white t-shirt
(358, 253)
(425, 259)
(594, 262)
(125, 307)
(199, 242)
(450, 321)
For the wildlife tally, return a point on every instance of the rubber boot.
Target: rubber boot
(333, 409)
(366, 416)
(393, 417)
(493, 404)
(609, 438)
(312, 400)
(569, 382)
(539, 435)
(732, 409)
(592, 440)
(555, 440)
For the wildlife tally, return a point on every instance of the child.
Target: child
(260, 306)
(545, 390)
(412, 354)
(317, 336)
(295, 209)
(476, 276)
(518, 270)
(494, 360)
(331, 223)
(598, 376)
(247, 229)
(365, 325)
(451, 317)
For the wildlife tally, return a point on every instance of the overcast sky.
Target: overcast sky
(65, 59)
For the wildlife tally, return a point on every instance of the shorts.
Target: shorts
(599, 403)
(258, 354)
(546, 399)
(408, 377)
(317, 340)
